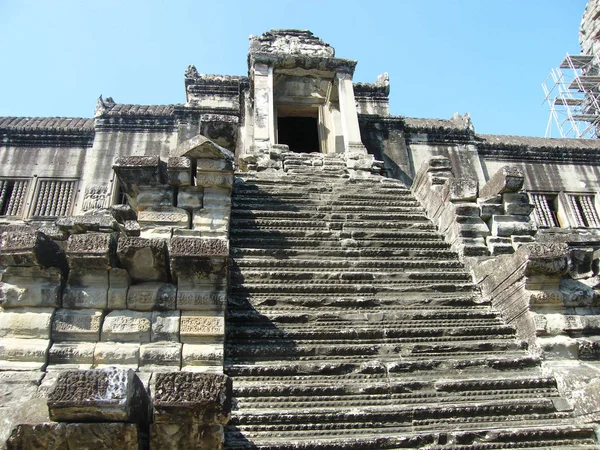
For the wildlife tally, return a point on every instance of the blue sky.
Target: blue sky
(485, 57)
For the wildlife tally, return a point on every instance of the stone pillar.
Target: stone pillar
(350, 127)
(215, 178)
(264, 125)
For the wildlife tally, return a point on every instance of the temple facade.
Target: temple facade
(280, 263)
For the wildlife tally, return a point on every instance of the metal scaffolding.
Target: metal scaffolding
(572, 92)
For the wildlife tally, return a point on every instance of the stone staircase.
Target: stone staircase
(351, 325)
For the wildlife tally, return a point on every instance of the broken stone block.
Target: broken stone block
(72, 355)
(460, 190)
(94, 436)
(30, 286)
(502, 225)
(183, 397)
(144, 259)
(179, 171)
(136, 171)
(580, 263)
(152, 296)
(210, 164)
(195, 327)
(77, 325)
(507, 179)
(202, 357)
(107, 354)
(516, 203)
(127, 326)
(86, 288)
(48, 436)
(132, 228)
(123, 213)
(165, 326)
(28, 323)
(30, 248)
(23, 354)
(91, 250)
(118, 285)
(106, 395)
(190, 197)
(104, 223)
(158, 356)
(186, 436)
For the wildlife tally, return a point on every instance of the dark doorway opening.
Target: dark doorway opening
(301, 134)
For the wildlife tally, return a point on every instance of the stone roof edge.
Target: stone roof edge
(53, 125)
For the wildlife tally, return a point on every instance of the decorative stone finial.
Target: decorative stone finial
(191, 72)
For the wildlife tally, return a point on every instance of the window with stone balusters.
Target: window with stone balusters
(53, 198)
(545, 210)
(583, 211)
(13, 195)
(561, 209)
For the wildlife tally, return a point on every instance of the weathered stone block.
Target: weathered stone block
(75, 355)
(191, 247)
(23, 354)
(211, 222)
(144, 259)
(160, 355)
(86, 288)
(214, 179)
(107, 354)
(154, 196)
(501, 225)
(127, 326)
(190, 197)
(30, 248)
(197, 326)
(104, 223)
(118, 285)
(460, 190)
(209, 164)
(135, 171)
(179, 171)
(108, 395)
(192, 397)
(169, 216)
(216, 197)
(132, 228)
(94, 436)
(518, 241)
(30, 286)
(499, 245)
(165, 326)
(516, 203)
(91, 250)
(186, 436)
(48, 436)
(507, 179)
(580, 263)
(202, 357)
(28, 323)
(490, 206)
(77, 325)
(152, 296)
(123, 213)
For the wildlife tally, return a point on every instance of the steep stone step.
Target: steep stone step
(351, 325)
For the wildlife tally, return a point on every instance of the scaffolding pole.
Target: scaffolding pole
(572, 93)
